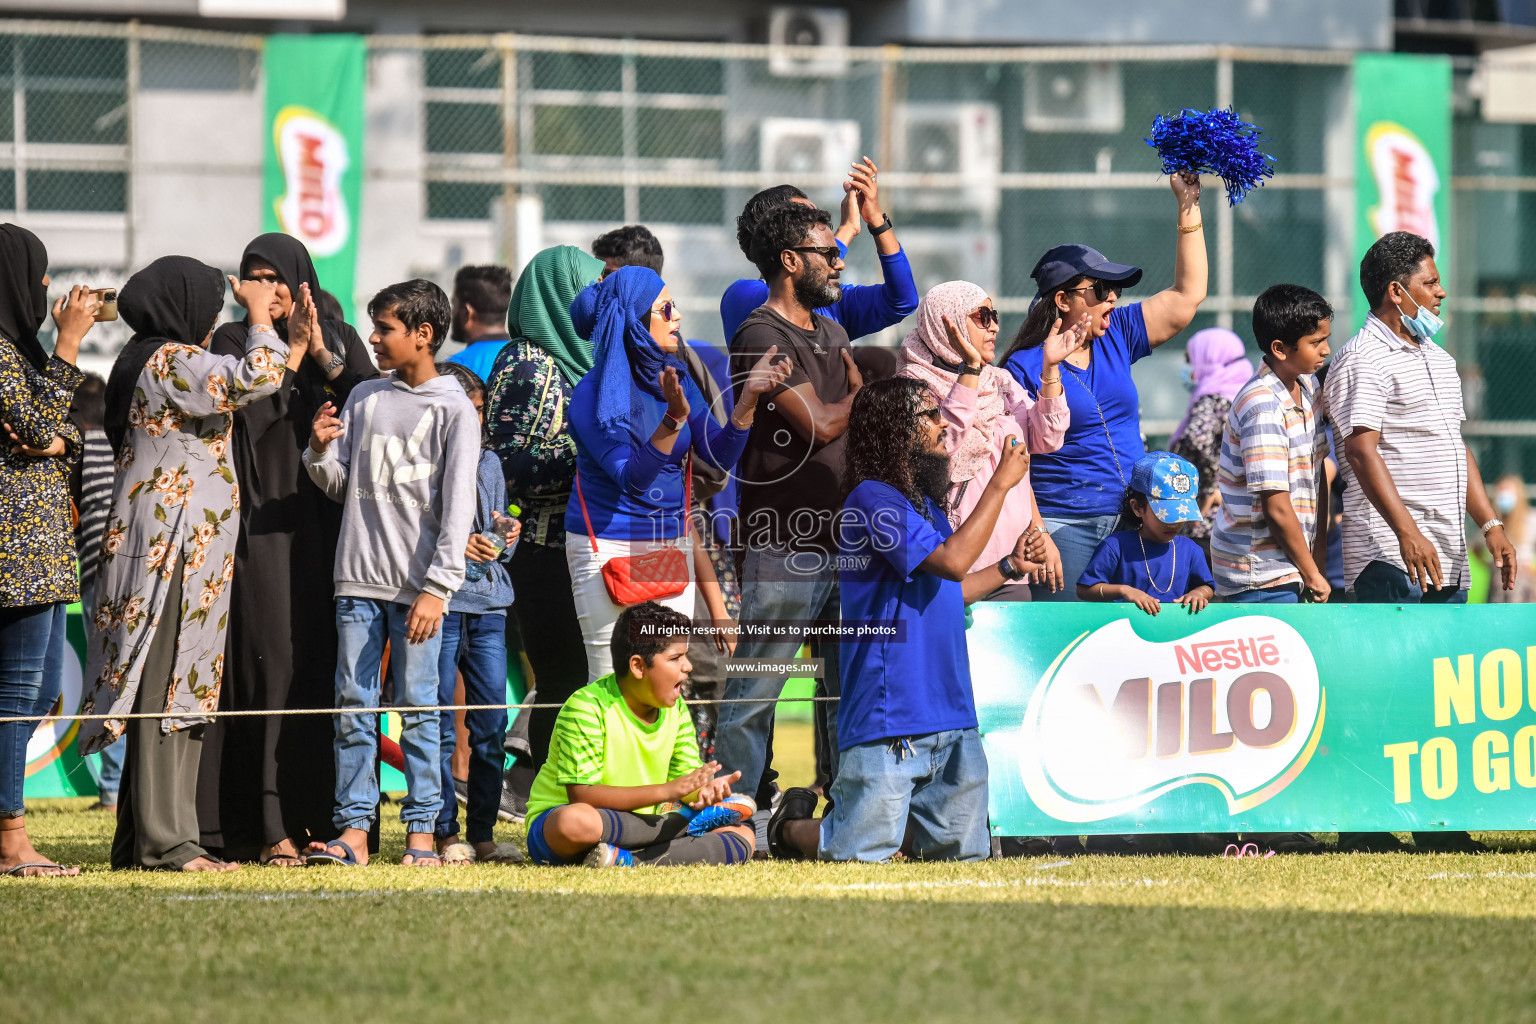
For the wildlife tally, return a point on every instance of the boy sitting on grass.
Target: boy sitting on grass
(622, 750)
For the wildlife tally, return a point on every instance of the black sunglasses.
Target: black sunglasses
(1102, 290)
(985, 316)
(830, 253)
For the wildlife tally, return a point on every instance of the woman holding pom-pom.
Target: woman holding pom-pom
(1079, 487)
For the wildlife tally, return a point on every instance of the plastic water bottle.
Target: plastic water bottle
(497, 535)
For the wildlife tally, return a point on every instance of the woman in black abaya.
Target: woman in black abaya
(267, 783)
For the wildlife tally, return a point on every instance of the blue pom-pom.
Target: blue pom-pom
(1212, 142)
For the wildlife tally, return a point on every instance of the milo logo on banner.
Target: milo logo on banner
(1406, 182)
(1117, 721)
(313, 156)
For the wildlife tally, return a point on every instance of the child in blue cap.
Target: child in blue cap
(1146, 561)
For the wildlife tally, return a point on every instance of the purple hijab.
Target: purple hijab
(1219, 367)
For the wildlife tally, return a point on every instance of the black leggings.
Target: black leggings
(551, 635)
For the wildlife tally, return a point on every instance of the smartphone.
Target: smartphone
(108, 308)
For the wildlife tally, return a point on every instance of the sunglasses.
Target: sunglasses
(931, 413)
(830, 253)
(1102, 290)
(985, 316)
(667, 311)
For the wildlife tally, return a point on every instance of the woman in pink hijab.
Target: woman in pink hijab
(951, 350)
(1216, 369)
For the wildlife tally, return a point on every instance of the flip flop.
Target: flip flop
(417, 858)
(271, 862)
(505, 853)
(19, 871)
(327, 857)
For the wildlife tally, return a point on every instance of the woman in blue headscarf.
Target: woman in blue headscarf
(636, 417)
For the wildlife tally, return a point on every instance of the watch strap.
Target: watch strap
(883, 228)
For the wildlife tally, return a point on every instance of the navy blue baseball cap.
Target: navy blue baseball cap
(1065, 262)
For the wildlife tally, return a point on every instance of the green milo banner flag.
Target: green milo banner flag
(1403, 156)
(1300, 718)
(313, 164)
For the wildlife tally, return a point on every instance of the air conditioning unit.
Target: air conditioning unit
(963, 142)
(825, 28)
(1078, 97)
(941, 254)
(810, 153)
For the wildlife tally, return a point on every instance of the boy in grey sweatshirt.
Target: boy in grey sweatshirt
(402, 458)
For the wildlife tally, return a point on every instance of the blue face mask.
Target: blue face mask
(1505, 502)
(1422, 324)
(1187, 377)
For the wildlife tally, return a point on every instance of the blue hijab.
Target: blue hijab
(625, 358)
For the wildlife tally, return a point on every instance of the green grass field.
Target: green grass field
(1403, 937)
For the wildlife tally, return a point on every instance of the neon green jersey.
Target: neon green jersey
(598, 741)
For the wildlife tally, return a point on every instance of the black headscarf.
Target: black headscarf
(23, 296)
(175, 299)
(286, 255)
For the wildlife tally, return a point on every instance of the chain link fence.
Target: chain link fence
(124, 142)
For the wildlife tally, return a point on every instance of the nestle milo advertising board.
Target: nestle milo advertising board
(1343, 717)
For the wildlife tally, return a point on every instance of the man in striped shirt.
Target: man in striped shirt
(1410, 480)
(1265, 545)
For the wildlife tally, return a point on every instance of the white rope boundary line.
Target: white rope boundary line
(371, 711)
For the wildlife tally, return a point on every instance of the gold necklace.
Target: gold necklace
(1103, 423)
(1148, 565)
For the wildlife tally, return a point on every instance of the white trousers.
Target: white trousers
(595, 610)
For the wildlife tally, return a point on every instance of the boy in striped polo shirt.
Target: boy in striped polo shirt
(624, 784)
(1265, 543)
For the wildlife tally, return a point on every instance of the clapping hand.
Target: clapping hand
(257, 296)
(55, 447)
(960, 341)
(326, 428)
(764, 376)
(1064, 340)
(713, 791)
(862, 183)
(672, 391)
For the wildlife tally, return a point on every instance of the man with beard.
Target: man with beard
(911, 763)
(481, 295)
(791, 484)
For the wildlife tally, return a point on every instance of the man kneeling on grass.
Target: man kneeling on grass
(910, 762)
(624, 784)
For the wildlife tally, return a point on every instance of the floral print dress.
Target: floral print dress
(175, 493)
(37, 543)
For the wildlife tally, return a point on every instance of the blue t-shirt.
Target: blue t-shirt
(863, 309)
(481, 356)
(1081, 478)
(918, 681)
(1177, 568)
(632, 490)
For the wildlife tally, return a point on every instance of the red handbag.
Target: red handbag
(655, 575)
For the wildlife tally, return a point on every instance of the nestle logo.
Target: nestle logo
(1214, 655)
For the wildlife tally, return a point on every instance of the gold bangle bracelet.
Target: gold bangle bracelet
(1191, 229)
(1054, 380)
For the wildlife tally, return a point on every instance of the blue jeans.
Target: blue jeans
(933, 787)
(477, 645)
(1385, 583)
(1288, 593)
(1077, 538)
(31, 674)
(773, 589)
(362, 626)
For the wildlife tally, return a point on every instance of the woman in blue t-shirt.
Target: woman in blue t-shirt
(636, 417)
(1079, 486)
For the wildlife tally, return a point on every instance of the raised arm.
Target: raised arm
(1170, 311)
(814, 420)
(869, 309)
(953, 559)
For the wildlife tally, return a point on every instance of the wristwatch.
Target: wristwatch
(335, 362)
(974, 371)
(1490, 524)
(883, 228)
(1006, 567)
(672, 423)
